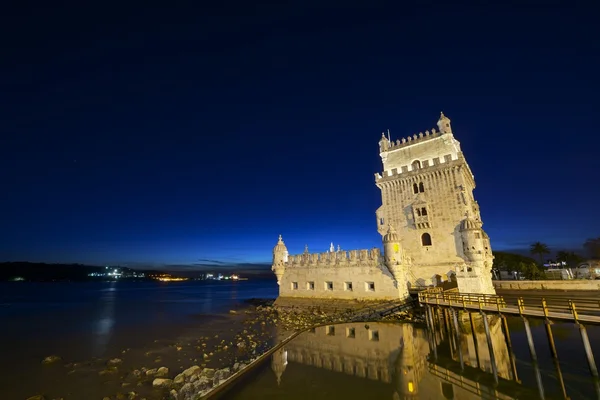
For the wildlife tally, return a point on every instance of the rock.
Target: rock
(114, 361)
(152, 371)
(104, 398)
(36, 397)
(208, 372)
(50, 360)
(108, 371)
(173, 394)
(162, 372)
(232, 312)
(162, 383)
(202, 383)
(236, 366)
(191, 371)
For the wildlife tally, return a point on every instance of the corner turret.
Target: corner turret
(280, 257)
(471, 234)
(384, 143)
(395, 260)
(444, 124)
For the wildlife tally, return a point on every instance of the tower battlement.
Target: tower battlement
(448, 160)
(336, 259)
(414, 139)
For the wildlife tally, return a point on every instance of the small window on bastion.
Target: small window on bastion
(348, 286)
(294, 285)
(310, 285)
(331, 330)
(350, 333)
(328, 285)
(426, 239)
(374, 335)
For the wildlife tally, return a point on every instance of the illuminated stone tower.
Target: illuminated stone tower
(427, 195)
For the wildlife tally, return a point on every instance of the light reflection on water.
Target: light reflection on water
(106, 319)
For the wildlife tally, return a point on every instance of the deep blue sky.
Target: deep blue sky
(139, 134)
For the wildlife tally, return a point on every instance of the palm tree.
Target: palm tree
(540, 249)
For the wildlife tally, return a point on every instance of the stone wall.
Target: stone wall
(549, 285)
(296, 282)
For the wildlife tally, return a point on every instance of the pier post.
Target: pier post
(588, 351)
(511, 353)
(538, 378)
(457, 336)
(529, 339)
(490, 346)
(474, 339)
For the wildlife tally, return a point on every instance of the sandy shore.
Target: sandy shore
(186, 366)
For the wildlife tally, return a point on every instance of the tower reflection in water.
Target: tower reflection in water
(382, 360)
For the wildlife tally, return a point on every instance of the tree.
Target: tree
(540, 249)
(592, 247)
(569, 257)
(531, 271)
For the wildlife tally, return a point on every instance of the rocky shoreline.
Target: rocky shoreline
(214, 359)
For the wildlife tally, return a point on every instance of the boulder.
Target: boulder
(162, 383)
(114, 361)
(162, 372)
(51, 360)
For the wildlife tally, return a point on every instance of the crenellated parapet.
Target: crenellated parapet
(426, 166)
(416, 138)
(336, 259)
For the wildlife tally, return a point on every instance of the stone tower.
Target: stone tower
(427, 195)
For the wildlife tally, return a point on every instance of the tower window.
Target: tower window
(477, 235)
(423, 211)
(418, 212)
(381, 222)
(421, 187)
(426, 239)
(415, 188)
(416, 165)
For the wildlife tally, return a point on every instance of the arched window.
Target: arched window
(416, 165)
(418, 212)
(421, 187)
(415, 188)
(423, 211)
(426, 239)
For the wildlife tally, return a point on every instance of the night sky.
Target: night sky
(138, 134)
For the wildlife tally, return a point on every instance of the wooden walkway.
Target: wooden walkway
(578, 310)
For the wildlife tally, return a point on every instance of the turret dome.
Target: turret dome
(280, 246)
(391, 235)
(469, 224)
